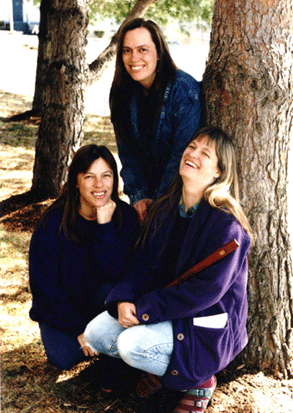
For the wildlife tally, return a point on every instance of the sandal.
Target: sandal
(196, 400)
(148, 385)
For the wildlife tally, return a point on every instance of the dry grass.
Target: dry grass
(29, 383)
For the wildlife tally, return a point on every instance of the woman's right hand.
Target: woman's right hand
(105, 212)
(127, 315)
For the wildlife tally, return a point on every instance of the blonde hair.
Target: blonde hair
(222, 194)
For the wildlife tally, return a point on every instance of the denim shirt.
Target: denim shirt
(179, 120)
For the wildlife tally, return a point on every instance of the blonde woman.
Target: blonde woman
(183, 335)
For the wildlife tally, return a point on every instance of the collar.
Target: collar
(190, 212)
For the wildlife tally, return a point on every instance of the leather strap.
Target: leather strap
(211, 259)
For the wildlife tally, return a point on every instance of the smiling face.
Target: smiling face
(199, 164)
(140, 56)
(95, 187)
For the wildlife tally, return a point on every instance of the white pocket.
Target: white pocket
(211, 321)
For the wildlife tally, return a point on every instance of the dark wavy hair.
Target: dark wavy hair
(69, 196)
(123, 85)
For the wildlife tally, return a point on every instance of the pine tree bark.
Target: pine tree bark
(60, 131)
(248, 92)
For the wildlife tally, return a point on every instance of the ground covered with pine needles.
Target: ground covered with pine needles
(29, 383)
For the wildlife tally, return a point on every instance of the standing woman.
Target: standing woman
(77, 254)
(182, 335)
(155, 110)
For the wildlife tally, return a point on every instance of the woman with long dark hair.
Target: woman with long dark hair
(155, 110)
(77, 254)
(181, 336)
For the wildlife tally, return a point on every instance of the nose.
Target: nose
(134, 55)
(98, 182)
(194, 153)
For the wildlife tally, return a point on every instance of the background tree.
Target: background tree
(248, 92)
(117, 11)
(59, 92)
(60, 130)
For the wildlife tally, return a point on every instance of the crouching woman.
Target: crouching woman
(182, 335)
(77, 254)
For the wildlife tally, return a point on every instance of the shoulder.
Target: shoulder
(128, 211)
(50, 221)
(185, 81)
(220, 221)
(183, 88)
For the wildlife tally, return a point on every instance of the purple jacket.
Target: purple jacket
(199, 352)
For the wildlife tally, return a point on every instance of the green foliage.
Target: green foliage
(161, 11)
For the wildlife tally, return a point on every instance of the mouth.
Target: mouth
(99, 195)
(136, 68)
(191, 164)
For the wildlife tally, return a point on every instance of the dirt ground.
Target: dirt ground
(240, 390)
(29, 384)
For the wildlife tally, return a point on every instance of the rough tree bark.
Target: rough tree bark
(60, 129)
(248, 92)
(62, 76)
(93, 71)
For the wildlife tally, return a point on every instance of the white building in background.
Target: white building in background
(19, 15)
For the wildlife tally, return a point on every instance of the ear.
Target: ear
(218, 174)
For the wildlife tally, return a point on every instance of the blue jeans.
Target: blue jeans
(145, 347)
(63, 349)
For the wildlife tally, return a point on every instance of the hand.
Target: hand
(105, 212)
(127, 315)
(141, 207)
(87, 350)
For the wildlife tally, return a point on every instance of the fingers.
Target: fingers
(141, 208)
(88, 351)
(127, 315)
(105, 212)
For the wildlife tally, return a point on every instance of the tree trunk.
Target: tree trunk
(248, 92)
(93, 72)
(60, 131)
(42, 56)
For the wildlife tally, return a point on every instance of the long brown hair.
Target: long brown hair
(222, 194)
(123, 85)
(69, 198)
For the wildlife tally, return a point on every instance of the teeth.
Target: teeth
(190, 164)
(137, 68)
(99, 193)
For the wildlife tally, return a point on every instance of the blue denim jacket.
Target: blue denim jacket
(179, 120)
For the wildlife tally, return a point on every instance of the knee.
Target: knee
(61, 361)
(126, 346)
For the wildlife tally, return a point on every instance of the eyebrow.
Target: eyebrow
(137, 47)
(206, 147)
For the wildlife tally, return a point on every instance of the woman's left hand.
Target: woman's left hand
(87, 350)
(127, 315)
(105, 212)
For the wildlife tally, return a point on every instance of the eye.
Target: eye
(126, 51)
(206, 154)
(143, 49)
